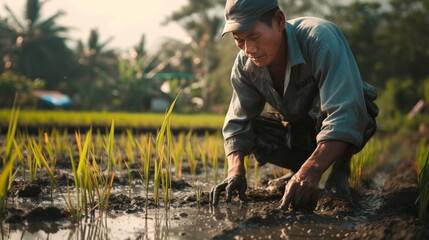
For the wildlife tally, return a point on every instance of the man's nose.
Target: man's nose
(250, 48)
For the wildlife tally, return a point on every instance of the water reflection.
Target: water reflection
(229, 212)
(155, 226)
(90, 228)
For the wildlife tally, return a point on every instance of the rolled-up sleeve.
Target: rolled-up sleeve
(341, 91)
(246, 104)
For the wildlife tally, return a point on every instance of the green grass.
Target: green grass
(122, 119)
(423, 178)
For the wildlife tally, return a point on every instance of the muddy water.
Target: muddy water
(253, 220)
(226, 222)
(258, 219)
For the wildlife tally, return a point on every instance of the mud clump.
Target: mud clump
(30, 190)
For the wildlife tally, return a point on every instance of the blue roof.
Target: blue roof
(56, 99)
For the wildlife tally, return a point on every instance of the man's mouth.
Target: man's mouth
(255, 58)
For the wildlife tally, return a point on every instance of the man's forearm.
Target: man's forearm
(324, 156)
(236, 164)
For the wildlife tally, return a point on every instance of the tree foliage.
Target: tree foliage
(97, 72)
(389, 39)
(13, 85)
(35, 47)
(391, 47)
(203, 27)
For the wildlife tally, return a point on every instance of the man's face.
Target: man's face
(260, 43)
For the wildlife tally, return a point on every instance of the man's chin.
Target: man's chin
(259, 63)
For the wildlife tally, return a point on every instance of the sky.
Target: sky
(124, 20)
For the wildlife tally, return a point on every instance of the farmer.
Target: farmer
(324, 113)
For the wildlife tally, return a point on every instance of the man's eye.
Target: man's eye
(254, 37)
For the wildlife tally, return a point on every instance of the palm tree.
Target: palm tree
(203, 28)
(142, 75)
(35, 47)
(98, 71)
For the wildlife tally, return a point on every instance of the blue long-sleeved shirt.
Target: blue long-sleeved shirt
(322, 81)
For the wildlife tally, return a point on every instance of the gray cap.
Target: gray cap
(242, 14)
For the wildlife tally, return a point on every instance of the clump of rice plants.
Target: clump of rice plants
(164, 136)
(423, 178)
(363, 163)
(8, 159)
(90, 183)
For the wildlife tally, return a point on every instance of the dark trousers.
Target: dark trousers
(288, 145)
(284, 144)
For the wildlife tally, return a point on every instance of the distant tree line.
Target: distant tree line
(390, 41)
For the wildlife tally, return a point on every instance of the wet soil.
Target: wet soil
(384, 208)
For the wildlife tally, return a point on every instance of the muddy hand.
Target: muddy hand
(302, 192)
(230, 184)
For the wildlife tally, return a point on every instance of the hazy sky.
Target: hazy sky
(124, 20)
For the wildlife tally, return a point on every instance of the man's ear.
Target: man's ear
(279, 20)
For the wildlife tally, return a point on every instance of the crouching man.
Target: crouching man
(324, 113)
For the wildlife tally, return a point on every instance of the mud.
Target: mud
(383, 208)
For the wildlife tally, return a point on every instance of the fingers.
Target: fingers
(229, 185)
(299, 197)
(242, 191)
(236, 183)
(216, 191)
(288, 196)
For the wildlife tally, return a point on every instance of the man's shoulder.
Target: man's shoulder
(306, 28)
(308, 22)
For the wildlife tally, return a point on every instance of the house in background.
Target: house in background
(52, 99)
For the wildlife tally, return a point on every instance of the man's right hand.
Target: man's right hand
(236, 180)
(230, 184)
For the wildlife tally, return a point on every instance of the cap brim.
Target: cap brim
(233, 26)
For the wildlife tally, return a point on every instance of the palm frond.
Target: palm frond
(15, 19)
(32, 12)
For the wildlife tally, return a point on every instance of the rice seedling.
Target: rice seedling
(109, 148)
(52, 153)
(198, 192)
(423, 179)
(164, 132)
(41, 159)
(20, 157)
(177, 153)
(130, 147)
(5, 181)
(363, 163)
(203, 160)
(74, 209)
(83, 173)
(8, 159)
(145, 157)
(50, 150)
(130, 183)
(192, 162)
(10, 135)
(166, 187)
(103, 186)
(33, 165)
(98, 143)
